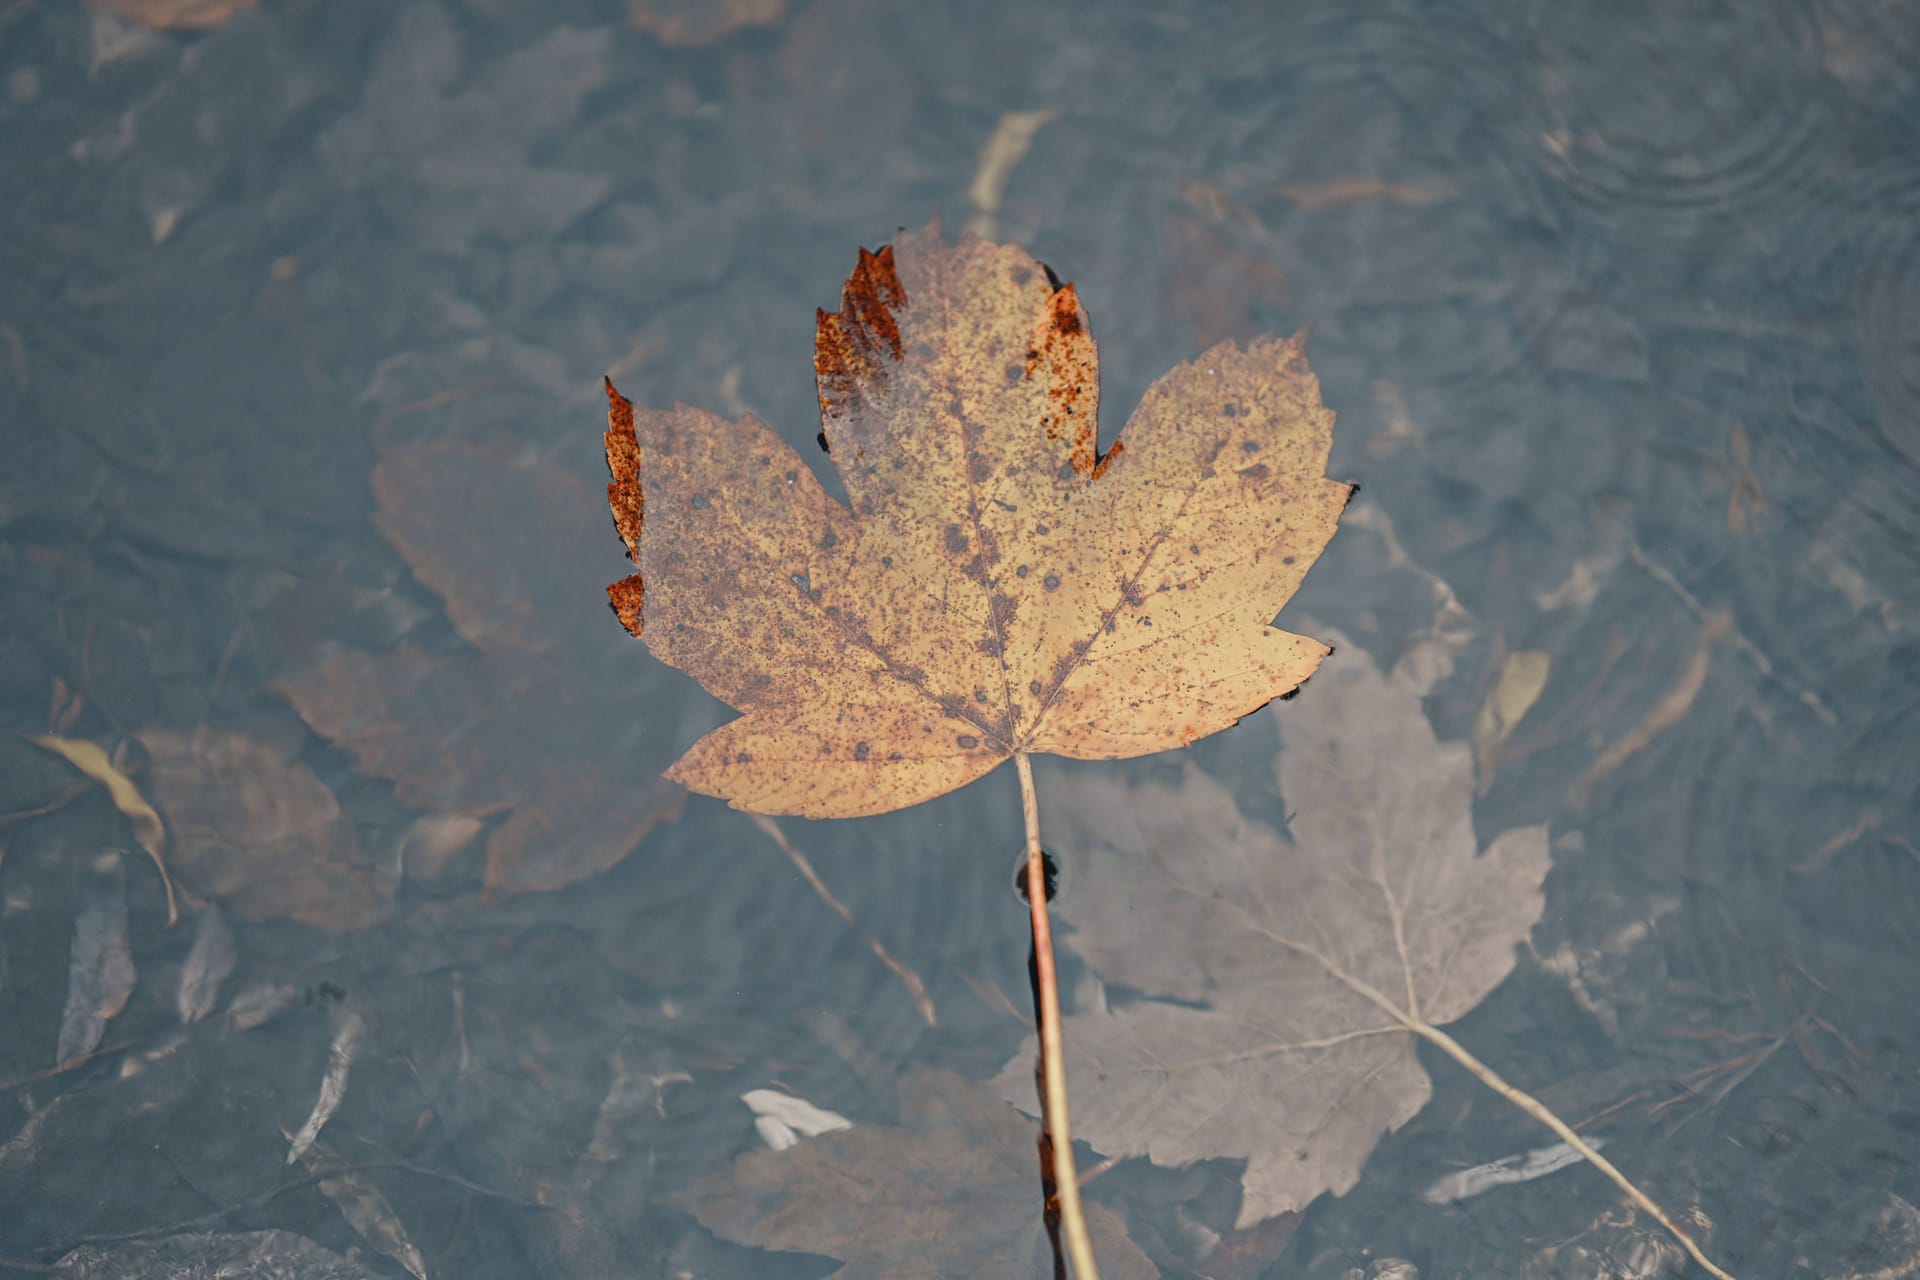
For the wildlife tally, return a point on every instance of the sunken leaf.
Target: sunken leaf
(948, 1192)
(1284, 976)
(995, 583)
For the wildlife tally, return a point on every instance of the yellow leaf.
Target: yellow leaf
(996, 585)
(90, 759)
(1523, 677)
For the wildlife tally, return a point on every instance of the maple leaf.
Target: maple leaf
(1288, 978)
(941, 1195)
(995, 584)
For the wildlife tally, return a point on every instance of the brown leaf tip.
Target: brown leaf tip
(853, 346)
(626, 596)
(625, 500)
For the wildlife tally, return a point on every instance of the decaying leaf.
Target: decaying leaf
(434, 840)
(261, 833)
(1222, 265)
(1284, 974)
(259, 1004)
(365, 1208)
(948, 1193)
(100, 973)
(170, 15)
(90, 759)
(259, 1255)
(208, 965)
(509, 731)
(695, 24)
(1669, 711)
(348, 1028)
(1522, 679)
(998, 585)
(1012, 137)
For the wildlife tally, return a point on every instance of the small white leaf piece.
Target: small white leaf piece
(1524, 1167)
(782, 1119)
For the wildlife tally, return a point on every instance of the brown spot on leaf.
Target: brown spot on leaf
(1051, 582)
(956, 540)
(967, 742)
(1256, 473)
(861, 750)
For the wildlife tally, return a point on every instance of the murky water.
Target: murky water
(302, 321)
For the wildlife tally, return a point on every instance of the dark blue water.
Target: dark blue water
(302, 322)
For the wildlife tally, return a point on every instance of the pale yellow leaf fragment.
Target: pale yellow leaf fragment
(1006, 148)
(89, 758)
(1523, 677)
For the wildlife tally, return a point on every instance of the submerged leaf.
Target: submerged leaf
(258, 1255)
(1523, 678)
(508, 730)
(948, 1193)
(365, 1208)
(1285, 975)
(100, 972)
(208, 966)
(998, 585)
(261, 832)
(174, 15)
(333, 1085)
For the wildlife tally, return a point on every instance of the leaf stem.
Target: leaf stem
(1053, 1058)
(1538, 1110)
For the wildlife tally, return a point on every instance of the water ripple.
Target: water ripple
(1711, 122)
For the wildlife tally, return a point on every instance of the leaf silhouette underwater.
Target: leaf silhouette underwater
(1291, 975)
(947, 1192)
(451, 730)
(1283, 967)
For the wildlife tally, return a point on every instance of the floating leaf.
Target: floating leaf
(1285, 976)
(90, 759)
(948, 1193)
(100, 972)
(998, 585)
